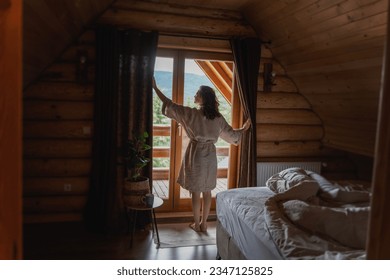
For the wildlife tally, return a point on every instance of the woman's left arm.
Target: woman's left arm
(246, 125)
(160, 95)
(233, 136)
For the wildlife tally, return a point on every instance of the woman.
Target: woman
(203, 125)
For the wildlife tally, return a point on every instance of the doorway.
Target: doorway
(179, 74)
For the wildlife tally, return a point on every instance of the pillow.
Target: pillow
(295, 181)
(347, 226)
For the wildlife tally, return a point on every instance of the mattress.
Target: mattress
(241, 213)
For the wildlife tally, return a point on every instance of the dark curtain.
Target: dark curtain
(101, 204)
(246, 53)
(122, 105)
(137, 67)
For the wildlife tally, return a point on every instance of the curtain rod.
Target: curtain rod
(205, 37)
(214, 37)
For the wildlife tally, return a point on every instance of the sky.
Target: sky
(166, 64)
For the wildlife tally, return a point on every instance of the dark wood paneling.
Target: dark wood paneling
(333, 52)
(58, 129)
(279, 100)
(50, 27)
(291, 116)
(56, 167)
(55, 186)
(54, 148)
(288, 132)
(291, 149)
(178, 19)
(59, 91)
(49, 205)
(379, 224)
(10, 130)
(319, 68)
(57, 110)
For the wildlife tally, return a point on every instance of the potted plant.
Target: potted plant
(135, 185)
(135, 156)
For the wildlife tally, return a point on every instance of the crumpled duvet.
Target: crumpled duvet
(312, 218)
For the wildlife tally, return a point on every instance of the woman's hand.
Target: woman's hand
(247, 124)
(160, 95)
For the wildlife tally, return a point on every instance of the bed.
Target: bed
(298, 214)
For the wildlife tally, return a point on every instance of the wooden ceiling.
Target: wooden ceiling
(49, 26)
(332, 49)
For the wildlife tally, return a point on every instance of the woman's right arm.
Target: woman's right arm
(160, 95)
(233, 136)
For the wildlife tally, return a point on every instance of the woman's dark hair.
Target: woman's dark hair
(210, 102)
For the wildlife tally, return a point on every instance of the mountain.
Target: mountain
(191, 83)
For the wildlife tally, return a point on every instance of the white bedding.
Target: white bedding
(324, 222)
(241, 213)
(299, 215)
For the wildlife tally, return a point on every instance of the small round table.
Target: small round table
(157, 202)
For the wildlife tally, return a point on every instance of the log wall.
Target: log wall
(58, 107)
(49, 27)
(289, 130)
(57, 131)
(333, 51)
(58, 125)
(58, 113)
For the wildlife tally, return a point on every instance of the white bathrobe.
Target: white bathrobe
(198, 172)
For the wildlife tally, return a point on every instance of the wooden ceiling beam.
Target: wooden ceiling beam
(225, 77)
(174, 8)
(174, 21)
(228, 69)
(216, 79)
(195, 44)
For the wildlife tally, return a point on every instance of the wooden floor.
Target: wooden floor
(71, 241)
(160, 188)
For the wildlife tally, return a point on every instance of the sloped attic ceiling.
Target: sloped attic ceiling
(332, 49)
(49, 26)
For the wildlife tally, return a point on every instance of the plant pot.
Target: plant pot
(133, 191)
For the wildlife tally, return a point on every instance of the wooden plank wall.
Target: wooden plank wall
(57, 129)
(50, 27)
(58, 108)
(289, 130)
(333, 51)
(378, 242)
(58, 113)
(11, 242)
(177, 19)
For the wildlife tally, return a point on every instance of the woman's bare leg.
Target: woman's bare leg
(205, 209)
(195, 196)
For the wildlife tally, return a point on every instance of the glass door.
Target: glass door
(179, 75)
(164, 140)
